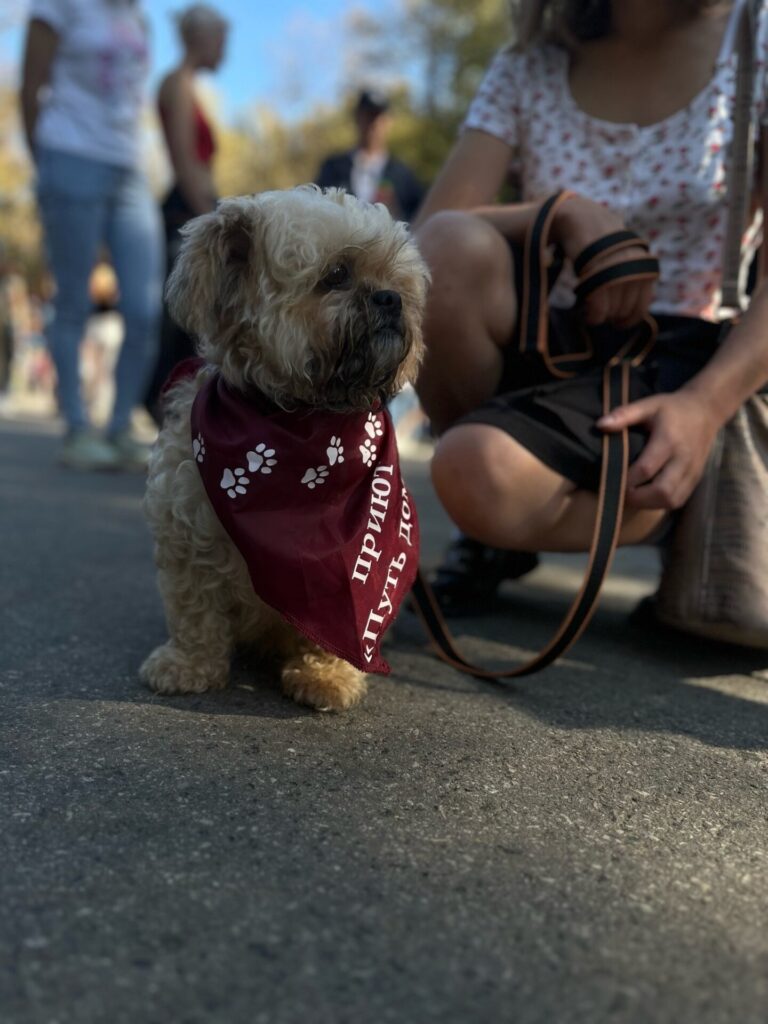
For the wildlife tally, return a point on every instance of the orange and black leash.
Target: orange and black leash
(615, 447)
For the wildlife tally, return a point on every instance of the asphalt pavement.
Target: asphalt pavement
(588, 845)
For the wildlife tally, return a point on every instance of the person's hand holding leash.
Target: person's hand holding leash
(680, 435)
(579, 223)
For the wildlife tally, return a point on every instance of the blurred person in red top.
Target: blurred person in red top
(191, 145)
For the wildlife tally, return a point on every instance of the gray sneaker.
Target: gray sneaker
(129, 453)
(82, 449)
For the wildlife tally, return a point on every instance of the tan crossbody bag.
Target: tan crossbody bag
(715, 579)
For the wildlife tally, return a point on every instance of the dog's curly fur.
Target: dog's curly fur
(283, 291)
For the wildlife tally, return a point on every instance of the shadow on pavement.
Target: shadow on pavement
(618, 676)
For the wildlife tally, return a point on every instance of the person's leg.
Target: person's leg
(6, 354)
(134, 238)
(470, 316)
(495, 490)
(175, 344)
(72, 199)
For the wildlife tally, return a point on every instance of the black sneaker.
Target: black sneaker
(468, 580)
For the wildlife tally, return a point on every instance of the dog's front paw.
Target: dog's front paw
(168, 671)
(322, 681)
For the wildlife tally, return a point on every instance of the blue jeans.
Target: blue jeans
(85, 204)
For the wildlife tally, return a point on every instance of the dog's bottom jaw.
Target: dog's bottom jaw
(322, 681)
(168, 671)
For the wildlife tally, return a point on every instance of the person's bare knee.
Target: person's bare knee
(471, 264)
(452, 234)
(470, 315)
(461, 479)
(493, 488)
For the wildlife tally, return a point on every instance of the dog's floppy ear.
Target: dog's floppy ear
(216, 252)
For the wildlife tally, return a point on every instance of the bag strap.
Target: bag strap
(742, 153)
(613, 468)
(760, 148)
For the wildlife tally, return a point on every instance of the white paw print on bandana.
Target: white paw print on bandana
(373, 427)
(368, 452)
(314, 477)
(335, 451)
(198, 448)
(260, 459)
(234, 483)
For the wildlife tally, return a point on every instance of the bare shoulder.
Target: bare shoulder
(174, 87)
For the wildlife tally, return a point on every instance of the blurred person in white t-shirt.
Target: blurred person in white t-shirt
(85, 67)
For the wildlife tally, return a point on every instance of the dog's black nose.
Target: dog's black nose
(390, 302)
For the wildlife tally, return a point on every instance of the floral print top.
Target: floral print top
(666, 180)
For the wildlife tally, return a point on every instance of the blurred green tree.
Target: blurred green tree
(430, 58)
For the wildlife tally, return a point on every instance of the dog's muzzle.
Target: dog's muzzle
(386, 308)
(387, 304)
(370, 351)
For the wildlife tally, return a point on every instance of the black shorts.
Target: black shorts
(555, 420)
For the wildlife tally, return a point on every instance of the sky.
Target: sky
(287, 54)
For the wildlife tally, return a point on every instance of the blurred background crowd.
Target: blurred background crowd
(233, 100)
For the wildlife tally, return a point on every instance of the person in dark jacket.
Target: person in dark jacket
(369, 171)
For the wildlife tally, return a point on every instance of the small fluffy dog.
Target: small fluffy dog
(283, 293)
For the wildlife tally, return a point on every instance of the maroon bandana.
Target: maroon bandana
(315, 504)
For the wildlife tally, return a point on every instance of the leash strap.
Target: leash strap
(615, 448)
(613, 476)
(742, 157)
(632, 270)
(606, 246)
(535, 279)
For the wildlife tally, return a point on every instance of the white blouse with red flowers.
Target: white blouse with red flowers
(666, 180)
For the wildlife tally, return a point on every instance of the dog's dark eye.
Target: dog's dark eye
(337, 277)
